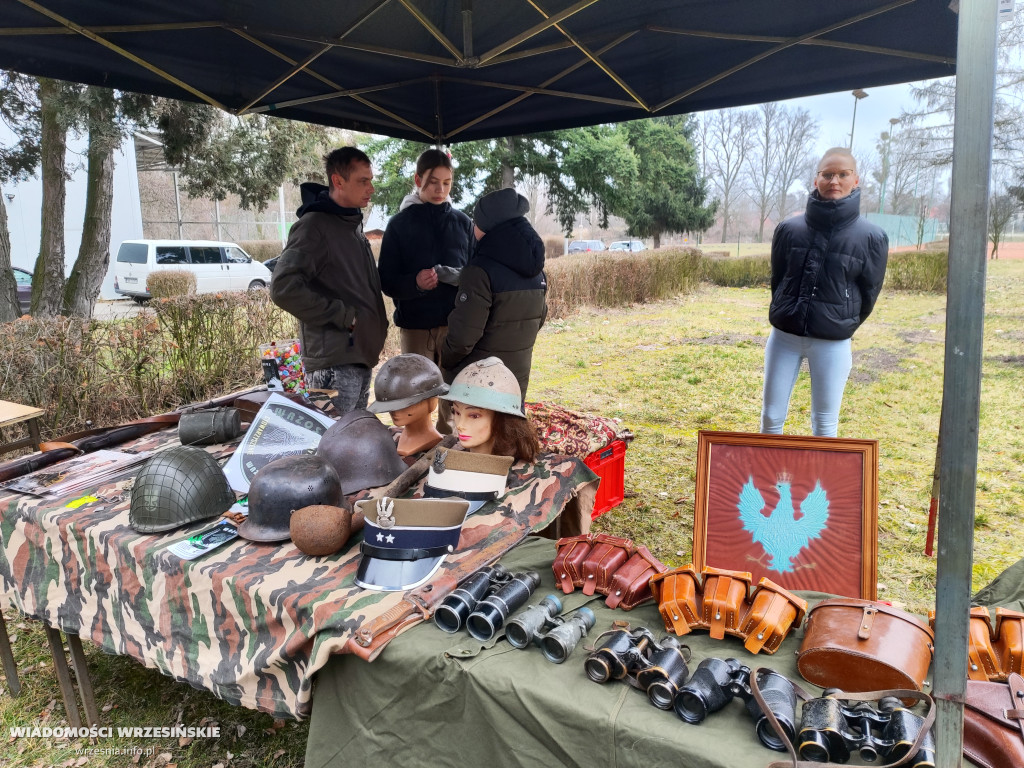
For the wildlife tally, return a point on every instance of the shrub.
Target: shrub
(554, 246)
(176, 351)
(606, 279)
(261, 250)
(172, 282)
(917, 271)
(738, 272)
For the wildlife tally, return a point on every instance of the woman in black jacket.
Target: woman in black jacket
(827, 271)
(424, 249)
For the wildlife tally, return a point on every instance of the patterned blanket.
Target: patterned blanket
(249, 622)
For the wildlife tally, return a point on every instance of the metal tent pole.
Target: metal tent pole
(961, 390)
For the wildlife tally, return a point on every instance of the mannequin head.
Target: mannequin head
(481, 430)
(414, 413)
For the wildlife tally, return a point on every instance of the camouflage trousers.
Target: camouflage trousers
(352, 383)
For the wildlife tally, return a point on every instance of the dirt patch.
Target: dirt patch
(869, 364)
(724, 340)
(922, 337)
(1014, 360)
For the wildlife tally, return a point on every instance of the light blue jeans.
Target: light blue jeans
(830, 363)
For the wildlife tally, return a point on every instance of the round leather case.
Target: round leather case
(861, 645)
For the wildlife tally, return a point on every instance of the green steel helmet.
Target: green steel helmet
(405, 380)
(488, 383)
(176, 487)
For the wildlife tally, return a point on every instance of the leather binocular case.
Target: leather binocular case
(721, 602)
(993, 654)
(862, 645)
(609, 565)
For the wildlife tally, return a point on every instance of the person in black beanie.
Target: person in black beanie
(502, 299)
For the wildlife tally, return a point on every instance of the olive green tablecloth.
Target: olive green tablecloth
(434, 699)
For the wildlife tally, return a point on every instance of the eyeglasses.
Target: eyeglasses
(829, 175)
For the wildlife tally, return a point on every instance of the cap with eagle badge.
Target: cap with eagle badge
(406, 540)
(476, 477)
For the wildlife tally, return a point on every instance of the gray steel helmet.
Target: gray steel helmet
(362, 452)
(281, 487)
(405, 380)
(176, 487)
(488, 383)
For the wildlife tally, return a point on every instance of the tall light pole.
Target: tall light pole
(858, 94)
(893, 122)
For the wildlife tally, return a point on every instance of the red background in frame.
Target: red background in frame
(830, 563)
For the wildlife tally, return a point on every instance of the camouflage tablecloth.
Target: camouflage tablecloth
(249, 622)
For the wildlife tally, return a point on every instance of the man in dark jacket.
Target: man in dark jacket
(327, 278)
(501, 303)
(827, 271)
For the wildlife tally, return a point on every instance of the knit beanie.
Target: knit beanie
(495, 207)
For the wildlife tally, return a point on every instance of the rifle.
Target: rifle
(76, 443)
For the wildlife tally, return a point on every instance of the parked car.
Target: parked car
(24, 280)
(218, 266)
(578, 246)
(627, 245)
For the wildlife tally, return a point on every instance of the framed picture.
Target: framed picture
(802, 511)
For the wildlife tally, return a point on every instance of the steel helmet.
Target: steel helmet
(488, 383)
(406, 540)
(362, 452)
(281, 487)
(405, 380)
(176, 487)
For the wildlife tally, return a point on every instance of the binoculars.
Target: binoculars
(832, 729)
(453, 612)
(490, 613)
(716, 682)
(542, 626)
(658, 669)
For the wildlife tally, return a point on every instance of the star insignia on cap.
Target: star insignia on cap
(380, 536)
(390, 539)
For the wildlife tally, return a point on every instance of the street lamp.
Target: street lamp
(893, 122)
(858, 94)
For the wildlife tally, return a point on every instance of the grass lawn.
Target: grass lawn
(666, 369)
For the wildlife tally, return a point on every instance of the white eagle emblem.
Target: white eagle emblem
(385, 513)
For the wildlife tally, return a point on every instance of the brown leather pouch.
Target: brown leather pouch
(983, 656)
(994, 723)
(605, 557)
(771, 612)
(678, 595)
(860, 645)
(630, 584)
(724, 595)
(1010, 641)
(568, 564)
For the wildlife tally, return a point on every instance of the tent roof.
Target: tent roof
(455, 70)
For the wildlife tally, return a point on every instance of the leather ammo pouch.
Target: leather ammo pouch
(994, 722)
(568, 564)
(770, 613)
(725, 593)
(609, 565)
(860, 645)
(678, 595)
(993, 654)
(630, 584)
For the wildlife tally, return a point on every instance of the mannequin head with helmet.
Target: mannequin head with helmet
(487, 411)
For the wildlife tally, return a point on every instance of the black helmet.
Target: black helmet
(176, 487)
(405, 380)
(362, 452)
(281, 487)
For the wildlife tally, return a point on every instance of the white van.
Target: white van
(217, 266)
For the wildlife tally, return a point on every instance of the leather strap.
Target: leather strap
(794, 759)
(1016, 683)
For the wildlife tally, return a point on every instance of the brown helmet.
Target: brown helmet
(362, 452)
(405, 380)
(281, 487)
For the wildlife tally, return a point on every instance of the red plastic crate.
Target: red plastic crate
(610, 465)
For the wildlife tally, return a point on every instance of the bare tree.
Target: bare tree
(762, 161)
(727, 140)
(1001, 210)
(797, 130)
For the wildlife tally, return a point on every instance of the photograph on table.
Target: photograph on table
(801, 511)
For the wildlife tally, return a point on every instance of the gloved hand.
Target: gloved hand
(449, 275)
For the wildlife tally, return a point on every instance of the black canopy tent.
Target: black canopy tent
(455, 70)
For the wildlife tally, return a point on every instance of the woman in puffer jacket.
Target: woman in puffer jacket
(827, 271)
